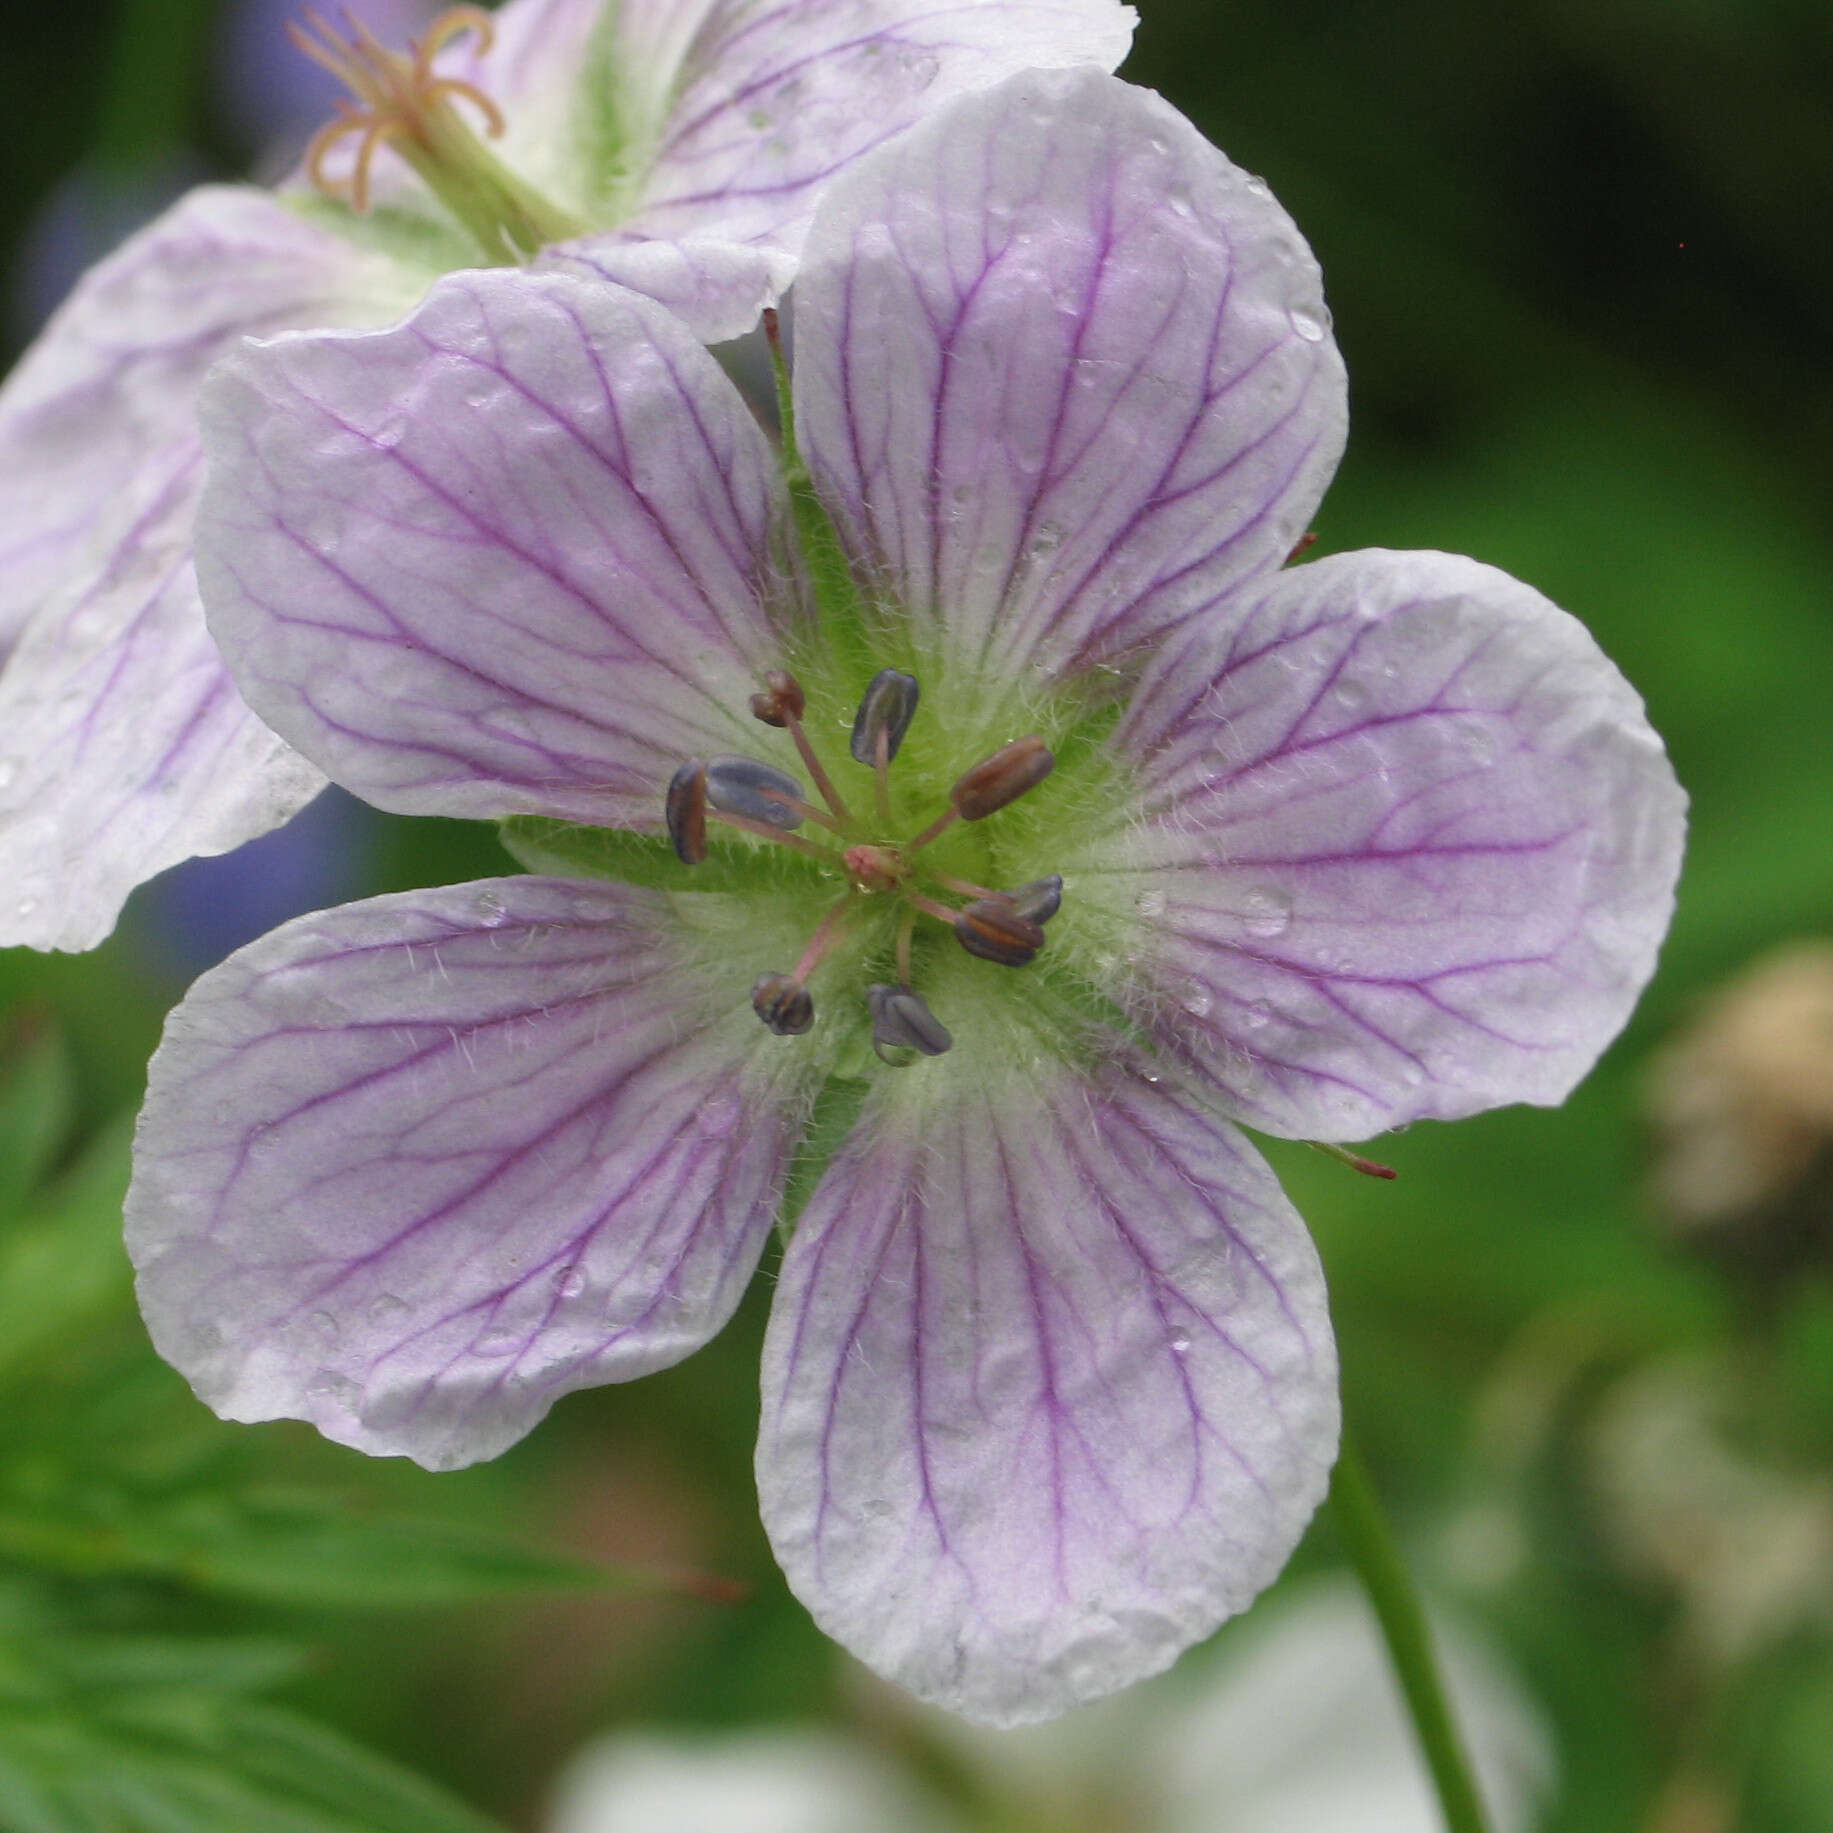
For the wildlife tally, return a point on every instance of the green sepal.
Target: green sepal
(559, 849)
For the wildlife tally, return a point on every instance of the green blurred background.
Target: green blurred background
(1581, 260)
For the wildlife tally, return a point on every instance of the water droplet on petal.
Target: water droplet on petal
(324, 1327)
(9, 772)
(1257, 1015)
(1180, 1342)
(387, 1310)
(1266, 913)
(1311, 322)
(1150, 903)
(1351, 695)
(25, 906)
(569, 1282)
(498, 1341)
(489, 909)
(340, 1390)
(1196, 999)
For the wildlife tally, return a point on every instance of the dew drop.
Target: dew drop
(1257, 1015)
(489, 908)
(9, 772)
(1312, 326)
(569, 1282)
(498, 1341)
(878, 1508)
(1196, 1000)
(1351, 695)
(1150, 903)
(1266, 913)
(387, 1309)
(1046, 541)
(1479, 742)
(25, 906)
(324, 1327)
(1180, 1342)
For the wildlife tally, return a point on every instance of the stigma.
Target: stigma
(397, 99)
(875, 869)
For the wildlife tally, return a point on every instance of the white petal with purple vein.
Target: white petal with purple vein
(1409, 846)
(739, 112)
(123, 745)
(415, 1168)
(516, 555)
(1063, 372)
(1049, 1387)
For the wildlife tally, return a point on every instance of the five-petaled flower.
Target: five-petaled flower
(674, 146)
(1049, 1387)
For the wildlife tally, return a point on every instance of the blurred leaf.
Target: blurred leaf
(152, 1735)
(307, 1549)
(64, 1264)
(37, 1104)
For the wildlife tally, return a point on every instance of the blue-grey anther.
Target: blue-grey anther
(685, 811)
(903, 1027)
(784, 1005)
(1040, 900)
(889, 705)
(754, 791)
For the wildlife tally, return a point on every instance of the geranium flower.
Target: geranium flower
(676, 146)
(1049, 827)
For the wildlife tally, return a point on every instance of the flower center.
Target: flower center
(400, 101)
(1005, 927)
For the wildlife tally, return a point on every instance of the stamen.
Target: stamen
(685, 811)
(755, 791)
(1002, 778)
(782, 705)
(782, 701)
(783, 1003)
(889, 705)
(903, 1027)
(1369, 1167)
(906, 928)
(1040, 900)
(994, 931)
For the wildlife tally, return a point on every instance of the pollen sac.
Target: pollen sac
(685, 811)
(781, 701)
(889, 705)
(754, 791)
(903, 1027)
(1002, 778)
(1040, 900)
(992, 929)
(783, 1004)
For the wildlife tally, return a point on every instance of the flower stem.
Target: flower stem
(1369, 1542)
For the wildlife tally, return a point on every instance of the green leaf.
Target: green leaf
(37, 1105)
(310, 1549)
(64, 1265)
(148, 1735)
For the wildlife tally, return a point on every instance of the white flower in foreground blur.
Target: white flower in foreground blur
(675, 146)
(1296, 1726)
(1121, 834)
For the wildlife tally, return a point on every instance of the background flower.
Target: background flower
(682, 148)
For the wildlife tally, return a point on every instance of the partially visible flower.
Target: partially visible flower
(1296, 1726)
(676, 146)
(1117, 833)
(1742, 1103)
